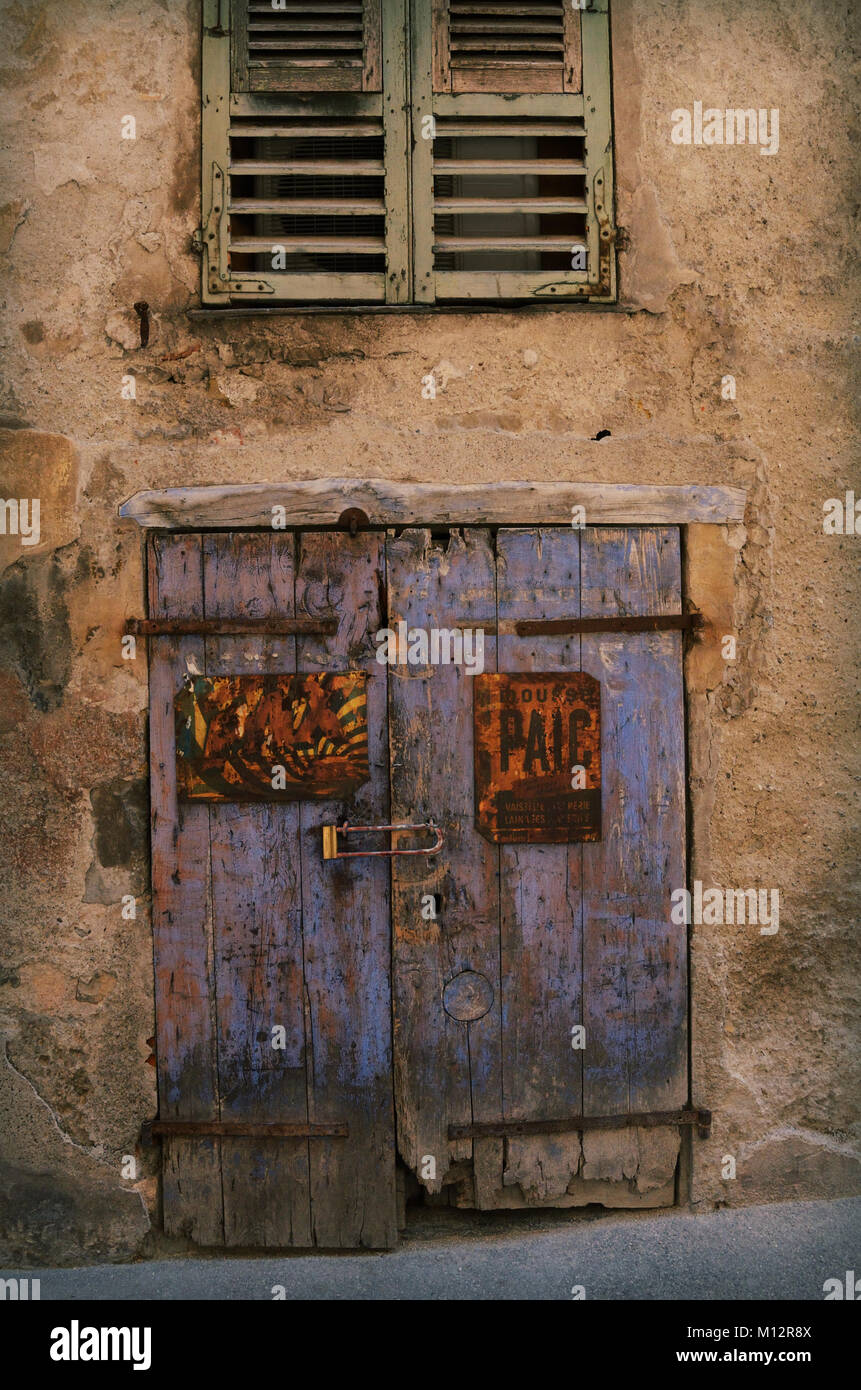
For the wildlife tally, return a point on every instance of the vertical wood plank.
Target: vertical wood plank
(186, 1054)
(540, 885)
(346, 920)
(422, 182)
(635, 959)
(238, 40)
(572, 72)
(257, 920)
(372, 46)
(440, 44)
(446, 1071)
(396, 121)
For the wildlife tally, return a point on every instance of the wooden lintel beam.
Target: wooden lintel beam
(322, 501)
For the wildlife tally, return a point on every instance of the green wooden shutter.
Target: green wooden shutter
(513, 178)
(304, 152)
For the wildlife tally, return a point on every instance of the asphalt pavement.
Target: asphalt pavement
(780, 1251)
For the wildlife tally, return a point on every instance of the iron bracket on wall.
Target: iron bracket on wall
(571, 1124)
(237, 1129)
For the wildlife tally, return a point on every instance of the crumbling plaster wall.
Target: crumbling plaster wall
(738, 263)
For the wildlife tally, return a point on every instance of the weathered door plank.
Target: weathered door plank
(538, 576)
(446, 1070)
(257, 918)
(346, 920)
(635, 959)
(181, 912)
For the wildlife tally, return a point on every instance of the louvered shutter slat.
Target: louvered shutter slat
(368, 246)
(510, 166)
(505, 243)
(310, 131)
(313, 207)
(503, 206)
(331, 166)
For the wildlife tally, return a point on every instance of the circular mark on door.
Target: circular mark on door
(468, 996)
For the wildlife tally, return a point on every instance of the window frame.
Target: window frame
(410, 280)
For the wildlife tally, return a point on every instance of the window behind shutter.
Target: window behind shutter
(512, 181)
(304, 179)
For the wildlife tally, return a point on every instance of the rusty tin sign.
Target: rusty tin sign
(537, 757)
(271, 737)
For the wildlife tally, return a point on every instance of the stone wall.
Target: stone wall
(738, 263)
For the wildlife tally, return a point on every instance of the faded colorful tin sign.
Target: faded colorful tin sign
(271, 737)
(537, 757)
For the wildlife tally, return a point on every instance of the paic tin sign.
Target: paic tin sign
(537, 757)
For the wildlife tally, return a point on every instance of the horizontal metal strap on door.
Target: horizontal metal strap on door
(672, 622)
(230, 627)
(571, 1124)
(239, 1129)
(548, 627)
(328, 627)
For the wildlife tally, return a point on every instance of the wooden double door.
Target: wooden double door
(320, 1019)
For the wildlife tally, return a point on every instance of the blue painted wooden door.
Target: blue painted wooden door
(573, 943)
(272, 966)
(489, 983)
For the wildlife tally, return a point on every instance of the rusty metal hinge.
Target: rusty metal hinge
(605, 230)
(571, 1124)
(213, 238)
(221, 28)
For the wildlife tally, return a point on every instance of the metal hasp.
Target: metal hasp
(500, 1129)
(230, 627)
(238, 1129)
(331, 833)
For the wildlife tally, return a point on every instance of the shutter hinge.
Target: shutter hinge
(221, 29)
(213, 233)
(197, 241)
(605, 231)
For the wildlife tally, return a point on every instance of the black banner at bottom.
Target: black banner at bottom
(169, 1339)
